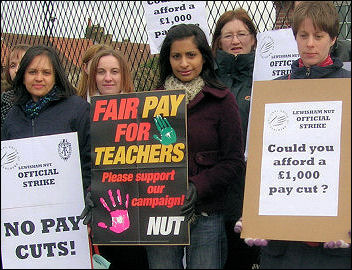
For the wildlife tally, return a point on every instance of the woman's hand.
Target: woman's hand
(249, 241)
(336, 244)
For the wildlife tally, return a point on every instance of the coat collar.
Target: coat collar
(231, 64)
(315, 71)
(207, 90)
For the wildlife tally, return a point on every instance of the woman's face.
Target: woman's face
(108, 75)
(39, 77)
(14, 62)
(313, 44)
(186, 60)
(235, 38)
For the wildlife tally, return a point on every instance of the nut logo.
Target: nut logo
(9, 157)
(267, 47)
(278, 120)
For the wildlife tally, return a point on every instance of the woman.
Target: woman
(12, 63)
(234, 42)
(109, 74)
(46, 104)
(82, 88)
(315, 28)
(233, 45)
(215, 158)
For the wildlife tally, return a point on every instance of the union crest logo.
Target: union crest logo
(64, 149)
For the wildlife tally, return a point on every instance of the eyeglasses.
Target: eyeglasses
(240, 36)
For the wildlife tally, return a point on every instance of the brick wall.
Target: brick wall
(284, 11)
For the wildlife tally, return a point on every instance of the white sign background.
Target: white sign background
(161, 16)
(285, 194)
(275, 52)
(62, 199)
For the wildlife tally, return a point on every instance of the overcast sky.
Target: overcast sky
(120, 18)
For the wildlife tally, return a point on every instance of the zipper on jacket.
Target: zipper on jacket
(33, 128)
(308, 72)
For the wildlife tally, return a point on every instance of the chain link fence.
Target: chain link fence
(73, 26)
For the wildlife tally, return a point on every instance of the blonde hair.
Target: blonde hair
(126, 77)
(83, 77)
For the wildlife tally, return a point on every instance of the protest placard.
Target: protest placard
(41, 200)
(298, 178)
(161, 15)
(274, 54)
(139, 168)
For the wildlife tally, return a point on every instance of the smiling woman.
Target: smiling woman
(46, 104)
(109, 74)
(215, 158)
(39, 77)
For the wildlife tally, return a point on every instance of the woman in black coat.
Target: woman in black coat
(46, 104)
(215, 149)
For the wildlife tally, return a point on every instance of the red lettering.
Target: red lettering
(143, 131)
(99, 109)
(111, 110)
(122, 108)
(133, 131)
(120, 130)
(131, 108)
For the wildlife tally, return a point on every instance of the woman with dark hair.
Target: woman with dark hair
(46, 104)
(215, 157)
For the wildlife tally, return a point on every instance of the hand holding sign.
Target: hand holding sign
(249, 241)
(87, 211)
(168, 135)
(119, 218)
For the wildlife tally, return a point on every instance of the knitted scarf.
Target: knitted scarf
(192, 88)
(32, 109)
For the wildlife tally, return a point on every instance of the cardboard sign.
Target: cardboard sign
(161, 15)
(41, 201)
(298, 178)
(139, 168)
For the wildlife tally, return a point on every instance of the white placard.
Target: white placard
(301, 159)
(40, 169)
(41, 200)
(161, 15)
(275, 52)
(347, 65)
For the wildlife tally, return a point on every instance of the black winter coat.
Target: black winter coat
(61, 116)
(315, 72)
(236, 72)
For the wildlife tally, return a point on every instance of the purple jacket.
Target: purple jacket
(215, 148)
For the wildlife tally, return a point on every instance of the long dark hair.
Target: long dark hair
(65, 87)
(182, 31)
